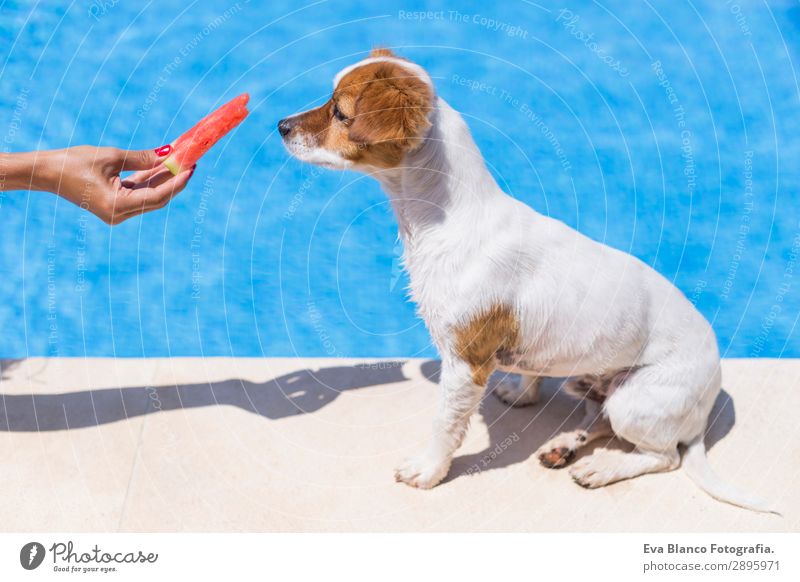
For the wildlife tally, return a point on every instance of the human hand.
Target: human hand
(90, 178)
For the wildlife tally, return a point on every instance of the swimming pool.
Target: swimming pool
(670, 134)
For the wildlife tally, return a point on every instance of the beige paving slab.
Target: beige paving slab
(69, 430)
(310, 445)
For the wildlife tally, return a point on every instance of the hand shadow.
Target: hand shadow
(299, 392)
(515, 434)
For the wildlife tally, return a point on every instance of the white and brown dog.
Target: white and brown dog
(503, 287)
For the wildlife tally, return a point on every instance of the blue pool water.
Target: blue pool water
(670, 131)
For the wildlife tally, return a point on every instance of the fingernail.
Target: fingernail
(163, 151)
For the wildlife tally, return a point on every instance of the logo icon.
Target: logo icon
(31, 555)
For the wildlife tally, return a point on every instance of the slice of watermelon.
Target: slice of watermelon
(193, 144)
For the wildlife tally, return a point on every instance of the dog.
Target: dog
(502, 287)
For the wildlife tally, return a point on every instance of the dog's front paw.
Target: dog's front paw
(422, 472)
(560, 450)
(555, 458)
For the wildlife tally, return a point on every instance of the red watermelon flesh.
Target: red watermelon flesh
(193, 144)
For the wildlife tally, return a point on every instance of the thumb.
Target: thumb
(144, 159)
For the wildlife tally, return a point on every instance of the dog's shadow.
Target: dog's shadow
(515, 434)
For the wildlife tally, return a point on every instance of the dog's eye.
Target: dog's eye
(337, 113)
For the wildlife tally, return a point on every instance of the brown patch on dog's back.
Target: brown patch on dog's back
(478, 342)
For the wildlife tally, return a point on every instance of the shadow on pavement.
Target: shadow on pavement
(514, 433)
(300, 392)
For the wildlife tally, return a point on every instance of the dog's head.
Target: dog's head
(379, 111)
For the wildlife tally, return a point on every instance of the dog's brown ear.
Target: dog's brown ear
(392, 110)
(380, 51)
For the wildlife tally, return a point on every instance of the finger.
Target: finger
(147, 178)
(142, 177)
(151, 198)
(166, 191)
(143, 159)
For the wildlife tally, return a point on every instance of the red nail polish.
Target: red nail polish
(163, 151)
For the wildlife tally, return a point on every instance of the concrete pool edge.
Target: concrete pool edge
(309, 444)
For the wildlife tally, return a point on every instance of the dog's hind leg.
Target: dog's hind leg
(561, 449)
(524, 392)
(460, 397)
(650, 410)
(606, 466)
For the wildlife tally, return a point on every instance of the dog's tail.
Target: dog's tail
(695, 463)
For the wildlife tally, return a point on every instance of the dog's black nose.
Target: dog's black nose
(284, 127)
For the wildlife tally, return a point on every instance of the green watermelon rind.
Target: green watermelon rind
(173, 165)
